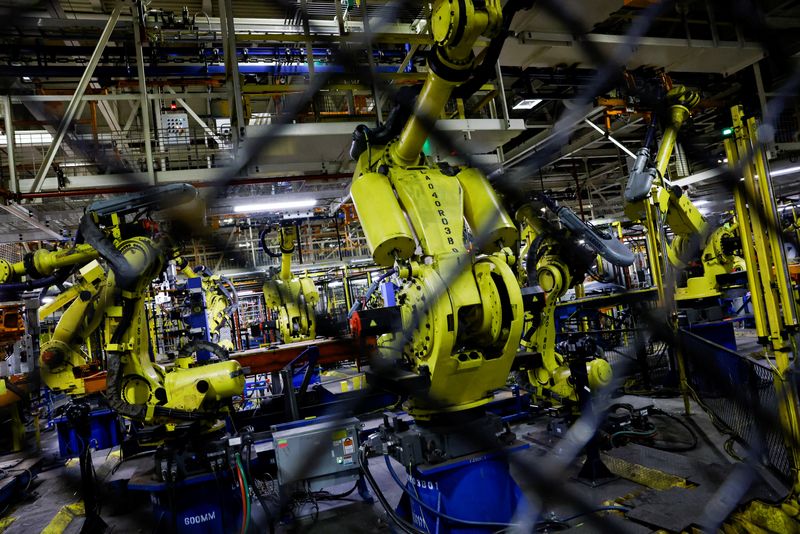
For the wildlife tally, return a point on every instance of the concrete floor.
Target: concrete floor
(706, 466)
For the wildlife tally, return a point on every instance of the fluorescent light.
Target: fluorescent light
(48, 300)
(275, 206)
(700, 202)
(783, 172)
(242, 245)
(528, 103)
(607, 135)
(28, 137)
(246, 293)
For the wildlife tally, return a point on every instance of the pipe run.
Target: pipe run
(90, 192)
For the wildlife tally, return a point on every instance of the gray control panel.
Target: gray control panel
(321, 453)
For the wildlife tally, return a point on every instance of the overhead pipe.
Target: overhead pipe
(89, 192)
(183, 69)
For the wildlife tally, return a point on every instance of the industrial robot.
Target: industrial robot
(116, 255)
(450, 342)
(293, 298)
(708, 253)
(212, 299)
(557, 260)
(114, 261)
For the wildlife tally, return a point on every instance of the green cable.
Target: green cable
(246, 492)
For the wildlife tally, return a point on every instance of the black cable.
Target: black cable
(248, 457)
(676, 448)
(270, 520)
(324, 495)
(404, 525)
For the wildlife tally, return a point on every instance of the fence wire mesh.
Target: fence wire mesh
(737, 391)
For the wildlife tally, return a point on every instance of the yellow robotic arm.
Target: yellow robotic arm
(43, 263)
(556, 261)
(120, 259)
(62, 356)
(219, 302)
(293, 298)
(218, 307)
(461, 313)
(695, 239)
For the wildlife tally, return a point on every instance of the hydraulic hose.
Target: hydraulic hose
(54, 279)
(404, 525)
(364, 136)
(126, 275)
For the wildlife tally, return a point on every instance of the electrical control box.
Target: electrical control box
(175, 128)
(324, 454)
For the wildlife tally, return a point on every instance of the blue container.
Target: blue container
(105, 433)
(478, 488)
(197, 505)
(719, 332)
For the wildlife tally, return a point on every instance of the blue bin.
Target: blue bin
(105, 433)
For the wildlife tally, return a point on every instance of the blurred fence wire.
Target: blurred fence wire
(736, 391)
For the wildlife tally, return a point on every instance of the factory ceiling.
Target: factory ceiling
(554, 55)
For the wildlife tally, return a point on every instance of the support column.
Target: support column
(502, 93)
(8, 118)
(144, 105)
(369, 39)
(232, 81)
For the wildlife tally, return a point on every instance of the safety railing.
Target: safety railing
(739, 394)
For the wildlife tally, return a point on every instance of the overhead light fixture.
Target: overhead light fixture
(48, 300)
(700, 202)
(275, 206)
(784, 172)
(528, 103)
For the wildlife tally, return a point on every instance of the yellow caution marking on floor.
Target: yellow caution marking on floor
(646, 476)
(64, 517)
(6, 522)
(66, 514)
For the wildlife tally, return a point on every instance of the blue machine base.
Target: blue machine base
(196, 505)
(104, 429)
(474, 488)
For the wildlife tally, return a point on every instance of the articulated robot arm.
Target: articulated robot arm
(294, 298)
(557, 261)
(118, 261)
(694, 237)
(217, 299)
(460, 314)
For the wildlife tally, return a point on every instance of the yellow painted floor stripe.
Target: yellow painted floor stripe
(67, 513)
(6, 522)
(64, 517)
(646, 476)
